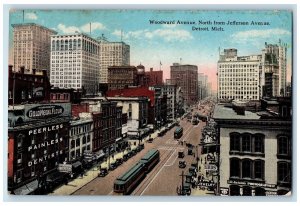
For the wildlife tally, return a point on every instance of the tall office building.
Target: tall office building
(186, 77)
(112, 54)
(202, 86)
(75, 62)
(238, 77)
(274, 66)
(31, 47)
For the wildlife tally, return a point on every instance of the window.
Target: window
(246, 143)
(259, 144)
(72, 143)
(234, 167)
(283, 145)
(284, 172)
(246, 168)
(234, 142)
(20, 140)
(259, 169)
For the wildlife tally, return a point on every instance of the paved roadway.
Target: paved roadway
(164, 177)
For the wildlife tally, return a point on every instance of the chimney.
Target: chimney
(151, 69)
(33, 71)
(22, 69)
(44, 72)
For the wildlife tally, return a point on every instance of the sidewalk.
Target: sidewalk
(92, 174)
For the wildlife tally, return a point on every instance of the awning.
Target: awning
(99, 154)
(56, 176)
(27, 189)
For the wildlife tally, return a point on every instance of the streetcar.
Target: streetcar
(178, 132)
(129, 180)
(150, 159)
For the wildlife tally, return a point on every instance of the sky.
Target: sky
(152, 44)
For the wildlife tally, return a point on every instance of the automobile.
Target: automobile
(125, 157)
(119, 161)
(150, 140)
(113, 166)
(182, 164)
(190, 151)
(186, 189)
(140, 147)
(103, 172)
(130, 154)
(180, 154)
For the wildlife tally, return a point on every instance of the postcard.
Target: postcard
(150, 102)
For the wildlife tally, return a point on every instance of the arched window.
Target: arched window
(246, 142)
(259, 143)
(234, 167)
(246, 168)
(234, 141)
(259, 169)
(283, 145)
(284, 172)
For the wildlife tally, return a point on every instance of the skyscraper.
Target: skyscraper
(238, 76)
(186, 77)
(112, 54)
(31, 47)
(75, 62)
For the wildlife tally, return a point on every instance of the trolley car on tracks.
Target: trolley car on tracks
(129, 180)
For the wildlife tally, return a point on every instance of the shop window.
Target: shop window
(260, 191)
(234, 190)
(247, 191)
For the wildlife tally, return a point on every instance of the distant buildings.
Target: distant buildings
(75, 62)
(186, 77)
(112, 54)
(202, 86)
(252, 77)
(120, 77)
(31, 47)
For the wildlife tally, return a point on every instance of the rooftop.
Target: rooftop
(221, 112)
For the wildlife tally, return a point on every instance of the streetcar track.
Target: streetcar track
(152, 175)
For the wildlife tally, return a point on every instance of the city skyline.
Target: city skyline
(176, 42)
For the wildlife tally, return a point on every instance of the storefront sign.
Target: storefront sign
(271, 193)
(43, 111)
(65, 168)
(253, 184)
(44, 144)
(211, 167)
(224, 191)
(206, 183)
(45, 129)
(44, 158)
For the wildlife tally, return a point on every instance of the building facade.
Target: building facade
(186, 77)
(27, 87)
(112, 54)
(120, 77)
(238, 77)
(155, 78)
(202, 86)
(75, 62)
(255, 150)
(274, 68)
(81, 135)
(38, 141)
(31, 47)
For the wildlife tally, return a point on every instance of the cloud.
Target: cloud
(67, 30)
(94, 26)
(165, 34)
(84, 28)
(251, 34)
(31, 16)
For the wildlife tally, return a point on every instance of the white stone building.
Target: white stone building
(75, 62)
(238, 77)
